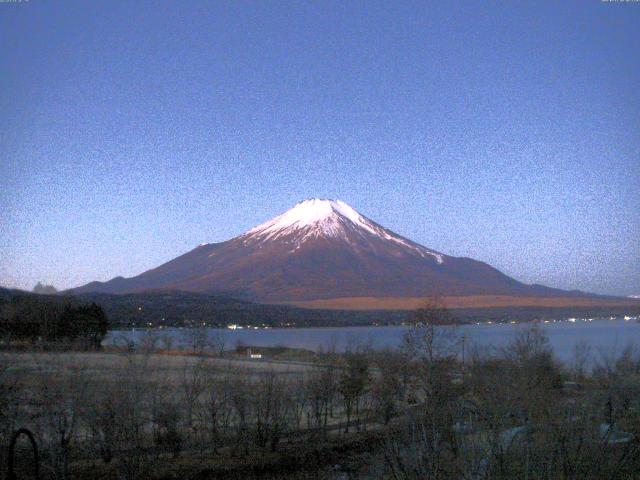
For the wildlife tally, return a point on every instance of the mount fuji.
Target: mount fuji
(320, 250)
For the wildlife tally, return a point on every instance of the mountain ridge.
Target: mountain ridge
(322, 249)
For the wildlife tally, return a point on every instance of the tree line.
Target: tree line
(33, 319)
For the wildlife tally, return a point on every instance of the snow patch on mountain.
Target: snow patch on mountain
(326, 218)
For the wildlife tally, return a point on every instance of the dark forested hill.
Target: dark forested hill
(188, 309)
(153, 309)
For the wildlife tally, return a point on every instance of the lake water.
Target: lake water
(605, 337)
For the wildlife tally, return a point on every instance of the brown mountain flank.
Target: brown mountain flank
(472, 301)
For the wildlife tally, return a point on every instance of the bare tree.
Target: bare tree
(389, 387)
(271, 408)
(219, 405)
(196, 339)
(581, 359)
(353, 381)
(166, 341)
(193, 385)
(322, 390)
(218, 341)
(432, 335)
(149, 341)
(166, 421)
(61, 398)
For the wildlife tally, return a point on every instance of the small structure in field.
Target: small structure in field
(255, 356)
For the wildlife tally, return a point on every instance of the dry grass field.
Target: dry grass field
(403, 415)
(104, 366)
(475, 301)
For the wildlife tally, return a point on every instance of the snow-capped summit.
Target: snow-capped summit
(320, 215)
(321, 218)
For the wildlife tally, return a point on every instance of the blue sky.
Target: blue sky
(504, 131)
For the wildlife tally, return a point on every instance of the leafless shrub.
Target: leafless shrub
(132, 401)
(352, 383)
(272, 410)
(166, 342)
(581, 359)
(219, 407)
(390, 386)
(167, 428)
(432, 335)
(60, 398)
(193, 385)
(196, 339)
(148, 342)
(218, 341)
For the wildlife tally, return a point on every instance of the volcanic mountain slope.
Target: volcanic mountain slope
(322, 249)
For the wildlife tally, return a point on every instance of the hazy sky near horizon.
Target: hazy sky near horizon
(508, 132)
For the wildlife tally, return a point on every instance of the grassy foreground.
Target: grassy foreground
(414, 413)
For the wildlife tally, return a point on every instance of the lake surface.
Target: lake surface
(605, 337)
